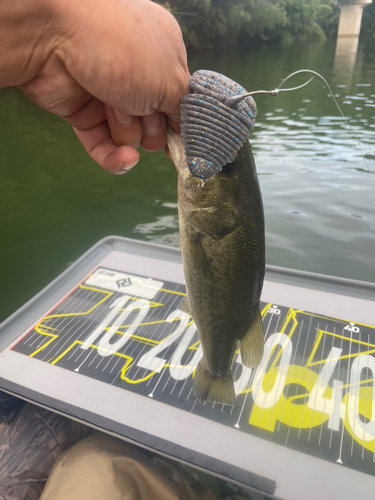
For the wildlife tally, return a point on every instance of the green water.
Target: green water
(319, 199)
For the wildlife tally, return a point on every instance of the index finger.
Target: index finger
(99, 144)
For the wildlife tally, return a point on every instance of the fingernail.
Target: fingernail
(125, 167)
(123, 117)
(152, 124)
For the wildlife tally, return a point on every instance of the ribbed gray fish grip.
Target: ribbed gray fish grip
(212, 132)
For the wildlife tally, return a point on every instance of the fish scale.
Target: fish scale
(205, 106)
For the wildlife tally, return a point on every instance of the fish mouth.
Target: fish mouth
(228, 168)
(197, 204)
(176, 150)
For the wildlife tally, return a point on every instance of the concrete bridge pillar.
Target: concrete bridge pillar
(348, 38)
(351, 16)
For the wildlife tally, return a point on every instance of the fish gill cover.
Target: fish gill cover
(212, 132)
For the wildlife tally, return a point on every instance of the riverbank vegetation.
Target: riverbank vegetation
(368, 21)
(219, 23)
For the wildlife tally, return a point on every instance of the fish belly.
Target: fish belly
(224, 282)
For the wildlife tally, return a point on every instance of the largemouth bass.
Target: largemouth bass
(222, 243)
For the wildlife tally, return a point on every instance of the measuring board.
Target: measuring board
(108, 344)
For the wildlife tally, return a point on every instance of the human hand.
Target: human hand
(115, 69)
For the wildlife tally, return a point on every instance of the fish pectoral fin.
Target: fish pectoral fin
(215, 222)
(185, 305)
(208, 387)
(196, 251)
(252, 343)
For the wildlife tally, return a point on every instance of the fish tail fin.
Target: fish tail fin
(252, 343)
(208, 387)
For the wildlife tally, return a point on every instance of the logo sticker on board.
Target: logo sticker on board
(124, 282)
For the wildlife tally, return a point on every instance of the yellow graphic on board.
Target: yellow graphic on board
(41, 327)
(152, 373)
(79, 342)
(321, 333)
(355, 409)
(284, 394)
(46, 330)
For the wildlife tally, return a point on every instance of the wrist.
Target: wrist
(29, 32)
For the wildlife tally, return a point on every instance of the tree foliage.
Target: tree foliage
(213, 23)
(368, 21)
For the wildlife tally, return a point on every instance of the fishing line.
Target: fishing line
(235, 100)
(218, 115)
(337, 105)
(232, 101)
(278, 89)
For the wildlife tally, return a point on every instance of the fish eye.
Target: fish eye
(228, 168)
